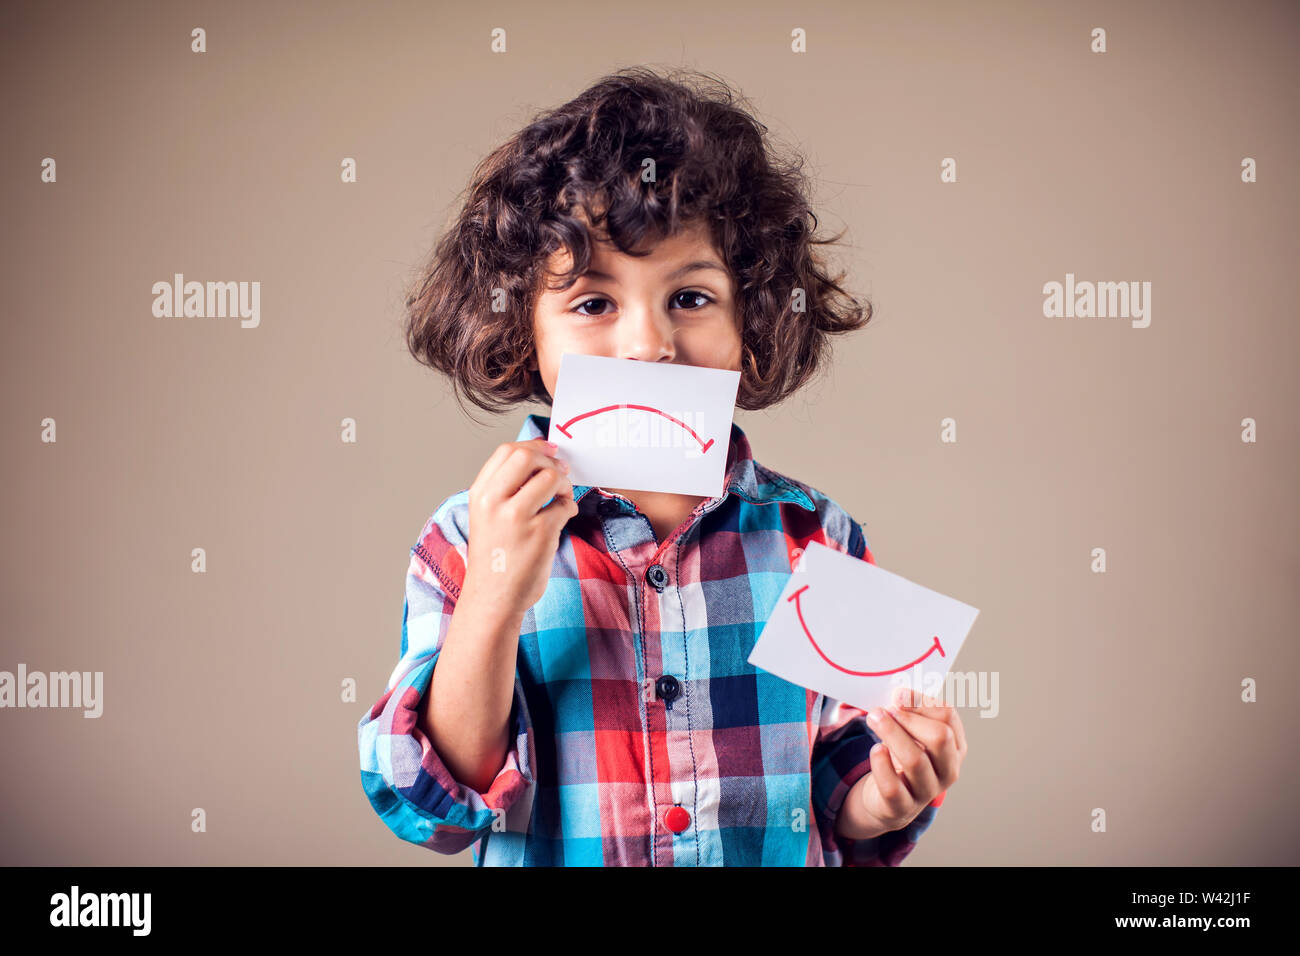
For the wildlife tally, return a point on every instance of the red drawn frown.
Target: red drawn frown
(564, 429)
(799, 610)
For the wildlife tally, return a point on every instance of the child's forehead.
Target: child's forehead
(692, 241)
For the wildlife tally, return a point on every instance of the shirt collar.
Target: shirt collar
(745, 477)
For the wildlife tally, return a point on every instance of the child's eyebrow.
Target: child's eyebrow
(696, 266)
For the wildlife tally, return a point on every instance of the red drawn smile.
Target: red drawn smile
(564, 429)
(799, 610)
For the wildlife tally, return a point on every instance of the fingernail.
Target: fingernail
(552, 446)
(564, 464)
(873, 715)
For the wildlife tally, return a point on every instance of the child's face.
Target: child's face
(652, 309)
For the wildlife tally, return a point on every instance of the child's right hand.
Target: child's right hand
(512, 543)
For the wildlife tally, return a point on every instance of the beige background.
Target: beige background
(222, 690)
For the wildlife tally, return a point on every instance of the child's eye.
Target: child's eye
(588, 302)
(698, 295)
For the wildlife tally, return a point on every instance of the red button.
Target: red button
(677, 819)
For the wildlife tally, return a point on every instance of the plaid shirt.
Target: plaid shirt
(641, 734)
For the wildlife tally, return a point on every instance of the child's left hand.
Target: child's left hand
(927, 741)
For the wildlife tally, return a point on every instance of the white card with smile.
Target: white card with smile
(648, 426)
(853, 631)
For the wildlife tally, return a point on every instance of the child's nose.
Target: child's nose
(647, 336)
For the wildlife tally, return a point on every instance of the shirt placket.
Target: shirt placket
(664, 669)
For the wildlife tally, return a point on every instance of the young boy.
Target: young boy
(573, 686)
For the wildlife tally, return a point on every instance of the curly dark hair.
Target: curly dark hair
(579, 166)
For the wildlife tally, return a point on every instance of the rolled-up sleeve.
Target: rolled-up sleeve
(403, 776)
(840, 757)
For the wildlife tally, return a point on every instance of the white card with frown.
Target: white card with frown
(853, 631)
(648, 426)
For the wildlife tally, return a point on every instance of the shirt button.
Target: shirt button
(608, 507)
(667, 687)
(677, 819)
(657, 576)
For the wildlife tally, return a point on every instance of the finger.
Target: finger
(561, 508)
(502, 453)
(932, 733)
(494, 461)
(917, 702)
(932, 707)
(938, 740)
(523, 462)
(918, 771)
(544, 484)
(959, 731)
(891, 787)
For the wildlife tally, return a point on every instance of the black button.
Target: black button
(608, 506)
(657, 576)
(667, 687)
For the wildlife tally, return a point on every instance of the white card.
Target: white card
(648, 426)
(853, 631)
